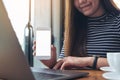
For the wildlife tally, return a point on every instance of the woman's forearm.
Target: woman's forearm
(100, 62)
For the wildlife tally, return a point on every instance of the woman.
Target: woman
(92, 28)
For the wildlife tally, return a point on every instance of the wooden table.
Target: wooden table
(93, 75)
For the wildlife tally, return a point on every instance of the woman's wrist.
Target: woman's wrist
(90, 61)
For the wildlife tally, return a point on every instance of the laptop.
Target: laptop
(13, 63)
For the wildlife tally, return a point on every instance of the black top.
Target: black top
(103, 35)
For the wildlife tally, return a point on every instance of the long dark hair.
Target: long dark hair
(78, 47)
(76, 28)
(109, 6)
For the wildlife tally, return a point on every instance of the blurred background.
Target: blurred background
(43, 13)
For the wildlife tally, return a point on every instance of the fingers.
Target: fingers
(61, 65)
(34, 45)
(53, 51)
(34, 53)
(58, 65)
(64, 65)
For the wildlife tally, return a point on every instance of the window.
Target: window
(18, 14)
(117, 2)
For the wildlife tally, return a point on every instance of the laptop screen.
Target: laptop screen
(14, 65)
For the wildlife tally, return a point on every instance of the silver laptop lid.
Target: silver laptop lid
(13, 64)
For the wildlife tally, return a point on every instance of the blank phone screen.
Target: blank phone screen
(43, 44)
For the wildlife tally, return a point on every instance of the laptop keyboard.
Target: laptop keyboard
(51, 74)
(46, 76)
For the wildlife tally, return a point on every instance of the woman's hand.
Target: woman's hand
(51, 62)
(74, 62)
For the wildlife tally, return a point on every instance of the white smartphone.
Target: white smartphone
(43, 43)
